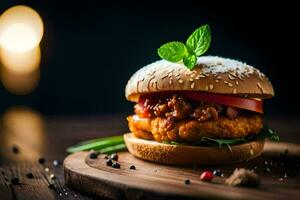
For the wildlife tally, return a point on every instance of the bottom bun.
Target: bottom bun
(191, 155)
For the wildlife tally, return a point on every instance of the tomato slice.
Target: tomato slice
(255, 105)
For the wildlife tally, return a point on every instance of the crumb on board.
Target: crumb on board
(243, 177)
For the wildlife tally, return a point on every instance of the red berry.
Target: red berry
(206, 176)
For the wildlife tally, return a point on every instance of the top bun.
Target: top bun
(212, 74)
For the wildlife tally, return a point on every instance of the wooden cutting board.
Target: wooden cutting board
(154, 181)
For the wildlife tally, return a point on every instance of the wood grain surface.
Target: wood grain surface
(94, 176)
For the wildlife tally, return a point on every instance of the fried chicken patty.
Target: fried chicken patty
(190, 130)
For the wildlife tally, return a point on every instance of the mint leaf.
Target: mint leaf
(190, 61)
(172, 51)
(199, 40)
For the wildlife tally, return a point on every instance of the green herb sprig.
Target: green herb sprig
(265, 133)
(103, 145)
(196, 45)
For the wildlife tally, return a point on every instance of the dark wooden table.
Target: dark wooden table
(37, 137)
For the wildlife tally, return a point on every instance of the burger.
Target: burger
(210, 115)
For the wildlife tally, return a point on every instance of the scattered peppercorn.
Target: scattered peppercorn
(105, 157)
(267, 169)
(266, 162)
(51, 186)
(55, 163)
(187, 181)
(114, 156)
(52, 176)
(109, 162)
(93, 155)
(217, 172)
(15, 181)
(29, 175)
(15, 149)
(206, 176)
(132, 167)
(42, 160)
(116, 165)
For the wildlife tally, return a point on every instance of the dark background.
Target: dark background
(90, 49)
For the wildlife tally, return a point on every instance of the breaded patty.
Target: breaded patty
(189, 130)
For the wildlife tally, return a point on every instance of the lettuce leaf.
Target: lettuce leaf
(265, 133)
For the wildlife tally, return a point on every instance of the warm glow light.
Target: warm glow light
(20, 83)
(24, 124)
(21, 62)
(21, 29)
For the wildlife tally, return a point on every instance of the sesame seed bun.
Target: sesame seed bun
(191, 155)
(212, 74)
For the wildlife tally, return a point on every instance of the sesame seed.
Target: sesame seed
(180, 81)
(232, 74)
(191, 80)
(226, 82)
(199, 76)
(230, 84)
(170, 81)
(237, 82)
(259, 85)
(219, 77)
(165, 76)
(211, 86)
(206, 88)
(217, 81)
(231, 77)
(193, 85)
(193, 75)
(234, 91)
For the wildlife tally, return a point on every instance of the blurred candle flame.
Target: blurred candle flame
(21, 62)
(21, 30)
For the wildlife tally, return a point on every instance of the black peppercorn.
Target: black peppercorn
(114, 156)
(41, 160)
(105, 157)
(187, 181)
(116, 165)
(109, 162)
(51, 186)
(15, 149)
(15, 181)
(29, 175)
(132, 167)
(217, 172)
(93, 155)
